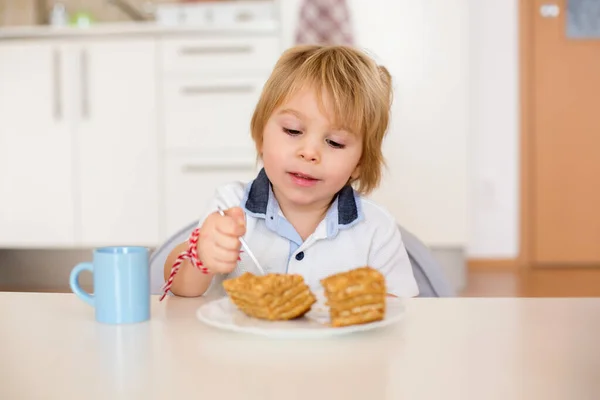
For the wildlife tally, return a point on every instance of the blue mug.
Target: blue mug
(121, 284)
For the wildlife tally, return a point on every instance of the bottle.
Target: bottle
(58, 15)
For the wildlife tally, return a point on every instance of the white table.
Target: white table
(51, 348)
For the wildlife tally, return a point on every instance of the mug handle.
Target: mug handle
(73, 282)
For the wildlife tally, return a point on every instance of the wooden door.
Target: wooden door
(565, 129)
(117, 143)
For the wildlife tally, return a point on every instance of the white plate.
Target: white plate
(223, 314)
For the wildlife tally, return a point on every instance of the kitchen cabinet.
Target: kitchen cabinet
(210, 115)
(122, 140)
(78, 143)
(209, 86)
(216, 55)
(116, 143)
(36, 146)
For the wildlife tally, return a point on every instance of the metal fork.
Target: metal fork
(247, 249)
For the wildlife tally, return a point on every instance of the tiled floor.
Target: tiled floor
(547, 282)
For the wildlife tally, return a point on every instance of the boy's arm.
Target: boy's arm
(189, 281)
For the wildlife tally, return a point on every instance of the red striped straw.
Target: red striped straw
(190, 254)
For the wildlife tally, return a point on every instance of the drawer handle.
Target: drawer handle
(193, 90)
(57, 85)
(194, 51)
(85, 91)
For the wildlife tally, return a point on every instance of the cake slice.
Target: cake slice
(271, 297)
(355, 297)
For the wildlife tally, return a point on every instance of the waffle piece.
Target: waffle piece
(271, 297)
(355, 297)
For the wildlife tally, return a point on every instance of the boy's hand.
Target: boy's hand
(219, 244)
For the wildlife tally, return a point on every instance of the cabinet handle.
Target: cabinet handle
(193, 90)
(85, 107)
(56, 59)
(195, 51)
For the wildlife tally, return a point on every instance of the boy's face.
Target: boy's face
(307, 159)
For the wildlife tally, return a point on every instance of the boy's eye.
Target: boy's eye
(335, 145)
(291, 132)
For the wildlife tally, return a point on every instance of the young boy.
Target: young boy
(318, 129)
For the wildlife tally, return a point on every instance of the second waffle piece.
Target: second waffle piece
(356, 296)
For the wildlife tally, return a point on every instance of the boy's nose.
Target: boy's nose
(309, 154)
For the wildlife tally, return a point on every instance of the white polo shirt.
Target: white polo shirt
(355, 232)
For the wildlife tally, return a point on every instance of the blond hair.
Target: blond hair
(359, 92)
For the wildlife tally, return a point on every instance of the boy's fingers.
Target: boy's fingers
(226, 256)
(230, 227)
(237, 214)
(230, 243)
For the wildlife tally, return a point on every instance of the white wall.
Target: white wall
(455, 64)
(424, 44)
(494, 135)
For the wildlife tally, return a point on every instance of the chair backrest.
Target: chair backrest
(427, 271)
(160, 254)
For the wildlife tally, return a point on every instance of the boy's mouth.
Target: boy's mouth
(303, 176)
(303, 180)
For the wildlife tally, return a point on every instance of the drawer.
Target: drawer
(190, 184)
(217, 14)
(210, 114)
(219, 56)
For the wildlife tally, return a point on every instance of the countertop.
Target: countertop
(133, 29)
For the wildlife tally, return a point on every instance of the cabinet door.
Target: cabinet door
(208, 115)
(190, 184)
(117, 143)
(36, 192)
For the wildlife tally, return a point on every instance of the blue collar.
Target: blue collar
(259, 201)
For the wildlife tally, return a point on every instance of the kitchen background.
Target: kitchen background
(33, 12)
(115, 131)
